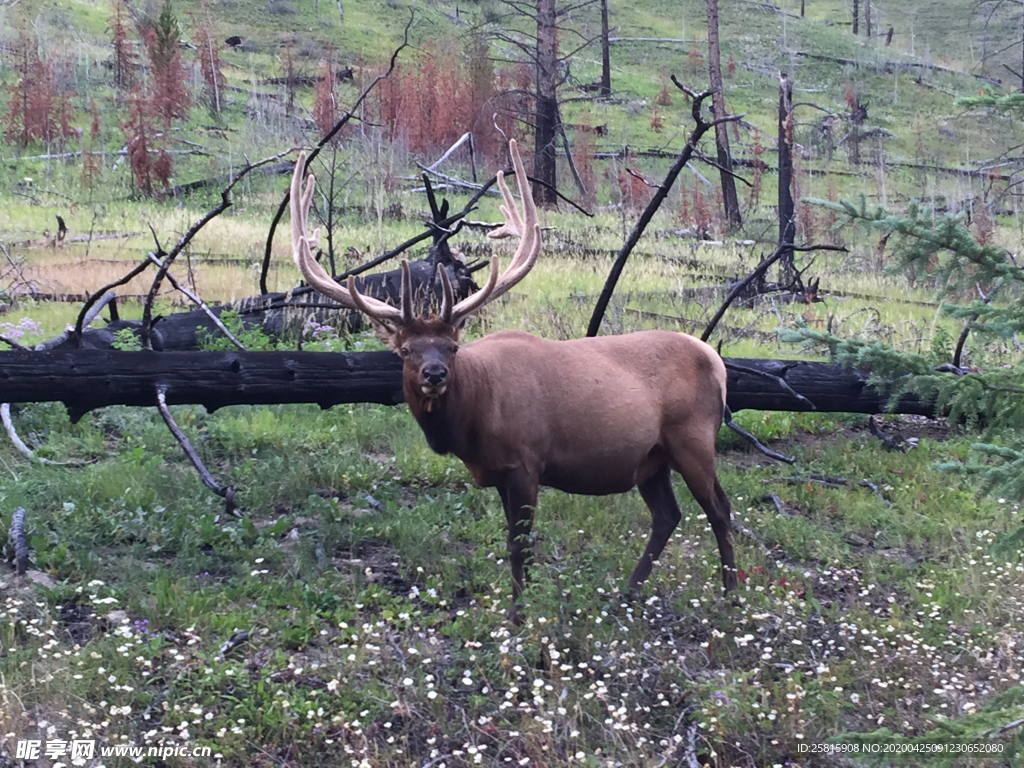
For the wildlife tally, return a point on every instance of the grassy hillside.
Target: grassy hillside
(912, 103)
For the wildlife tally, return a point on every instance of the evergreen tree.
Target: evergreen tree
(990, 393)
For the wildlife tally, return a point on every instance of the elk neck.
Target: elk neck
(449, 422)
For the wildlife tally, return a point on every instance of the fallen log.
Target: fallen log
(898, 66)
(86, 379)
(829, 388)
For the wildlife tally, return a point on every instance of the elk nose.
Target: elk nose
(435, 373)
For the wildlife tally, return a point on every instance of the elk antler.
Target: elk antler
(317, 276)
(523, 226)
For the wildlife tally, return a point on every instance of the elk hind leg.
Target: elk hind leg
(696, 463)
(656, 491)
(518, 493)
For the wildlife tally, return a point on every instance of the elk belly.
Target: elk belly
(599, 474)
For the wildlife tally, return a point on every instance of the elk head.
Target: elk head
(428, 345)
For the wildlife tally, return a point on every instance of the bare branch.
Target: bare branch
(198, 302)
(85, 317)
(225, 203)
(226, 492)
(714, 163)
(970, 323)
(777, 379)
(728, 421)
(12, 343)
(570, 8)
(5, 414)
(759, 270)
(699, 130)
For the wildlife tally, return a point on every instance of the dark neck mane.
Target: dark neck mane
(448, 424)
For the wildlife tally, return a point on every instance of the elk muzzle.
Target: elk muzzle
(434, 378)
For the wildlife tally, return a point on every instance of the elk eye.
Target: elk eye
(404, 351)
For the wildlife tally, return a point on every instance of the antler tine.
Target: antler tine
(447, 296)
(316, 276)
(405, 295)
(525, 227)
(513, 226)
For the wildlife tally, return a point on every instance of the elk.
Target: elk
(591, 416)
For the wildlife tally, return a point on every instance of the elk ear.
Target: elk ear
(458, 327)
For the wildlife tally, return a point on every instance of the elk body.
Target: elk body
(590, 416)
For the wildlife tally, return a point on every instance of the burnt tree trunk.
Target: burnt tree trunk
(606, 57)
(857, 117)
(867, 18)
(546, 132)
(856, 17)
(86, 379)
(787, 210)
(729, 198)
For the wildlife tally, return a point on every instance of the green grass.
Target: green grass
(375, 605)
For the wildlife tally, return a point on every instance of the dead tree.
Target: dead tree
(324, 140)
(787, 210)
(729, 197)
(546, 119)
(551, 69)
(87, 379)
(858, 114)
(606, 58)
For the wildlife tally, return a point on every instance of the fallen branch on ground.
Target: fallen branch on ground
(5, 414)
(896, 443)
(728, 421)
(85, 379)
(18, 542)
(829, 481)
(227, 492)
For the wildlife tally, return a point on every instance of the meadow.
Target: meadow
(370, 573)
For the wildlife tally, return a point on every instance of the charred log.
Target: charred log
(87, 379)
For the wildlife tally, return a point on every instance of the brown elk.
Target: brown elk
(590, 416)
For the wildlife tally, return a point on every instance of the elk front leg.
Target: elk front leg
(518, 493)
